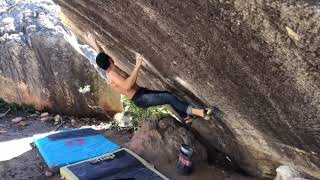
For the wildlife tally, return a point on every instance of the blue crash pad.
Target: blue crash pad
(70, 146)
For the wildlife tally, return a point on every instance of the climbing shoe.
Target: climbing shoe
(207, 112)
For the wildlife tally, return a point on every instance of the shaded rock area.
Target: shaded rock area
(42, 64)
(257, 61)
(160, 140)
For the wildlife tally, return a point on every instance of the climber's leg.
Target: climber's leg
(147, 98)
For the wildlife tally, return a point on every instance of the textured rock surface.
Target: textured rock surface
(160, 140)
(257, 61)
(39, 64)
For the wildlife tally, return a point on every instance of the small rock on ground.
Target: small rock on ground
(48, 173)
(17, 119)
(2, 131)
(23, 123)
(32, 115)
(45, 114)
(57, 119)
(43, 119)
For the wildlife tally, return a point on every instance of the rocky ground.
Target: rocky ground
(30, 165)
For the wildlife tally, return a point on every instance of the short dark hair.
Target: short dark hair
(103, 60)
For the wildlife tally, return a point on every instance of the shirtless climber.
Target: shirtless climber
(141, 97)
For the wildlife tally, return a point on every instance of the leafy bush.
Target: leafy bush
(2, 103)
(137, 114)
(17, 107)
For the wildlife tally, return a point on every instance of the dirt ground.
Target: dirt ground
(30, 165)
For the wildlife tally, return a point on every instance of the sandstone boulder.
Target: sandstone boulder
(257, 61)
(40, 65)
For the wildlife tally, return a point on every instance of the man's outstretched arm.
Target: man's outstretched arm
(134, 74)
(129, 82)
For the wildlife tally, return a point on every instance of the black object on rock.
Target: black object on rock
(184, 163)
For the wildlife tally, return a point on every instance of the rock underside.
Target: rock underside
(256, 61)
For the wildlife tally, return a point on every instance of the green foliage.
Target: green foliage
(2, 103)
(17, 107)
(137, 114)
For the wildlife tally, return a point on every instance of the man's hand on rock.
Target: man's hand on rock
(139, 60)
(94, 43)
(91, 38)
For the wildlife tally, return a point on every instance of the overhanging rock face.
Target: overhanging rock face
(257, 61)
